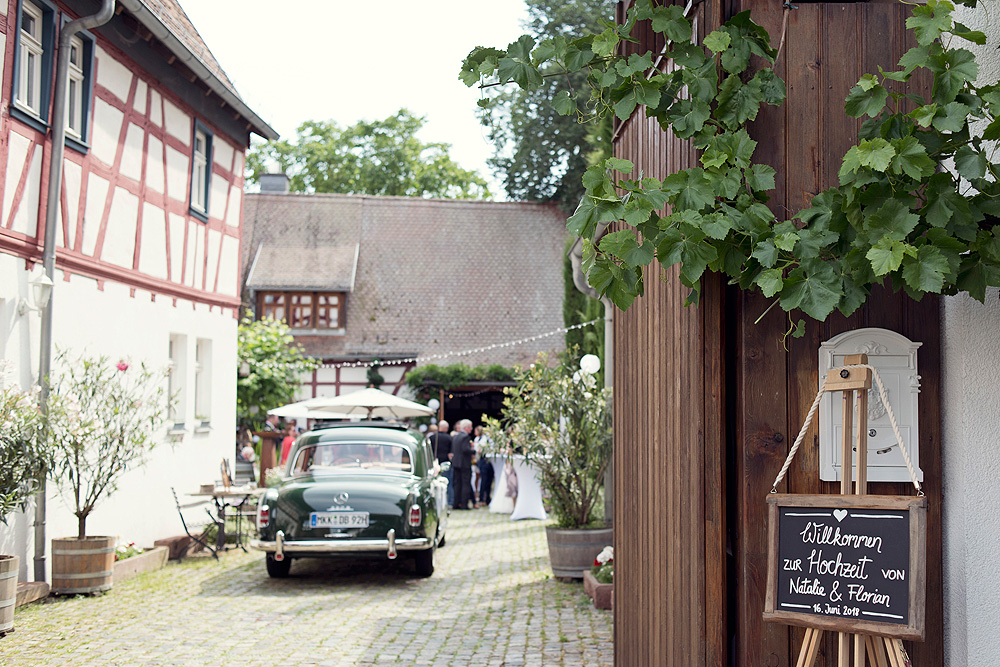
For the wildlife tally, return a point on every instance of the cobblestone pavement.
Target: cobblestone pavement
(491, 602)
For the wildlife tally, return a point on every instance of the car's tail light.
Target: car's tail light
(263, 516)
(415, 515)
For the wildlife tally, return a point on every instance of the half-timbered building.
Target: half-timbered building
(404, 281)
(148, 230)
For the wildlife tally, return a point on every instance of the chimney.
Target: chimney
(273, 183)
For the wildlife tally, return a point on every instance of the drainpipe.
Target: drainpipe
(49, 248)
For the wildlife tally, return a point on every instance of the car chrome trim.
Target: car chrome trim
(293, 547)
(391, 535)
(279, 545)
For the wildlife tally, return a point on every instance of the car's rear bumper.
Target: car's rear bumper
(281, 547)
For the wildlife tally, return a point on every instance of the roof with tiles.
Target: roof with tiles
(433, 276)
(177, 21)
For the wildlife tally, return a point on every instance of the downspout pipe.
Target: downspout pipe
(56, 148)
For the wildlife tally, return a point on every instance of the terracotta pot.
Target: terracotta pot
(82, 566)
(571, 551)
(9, 566)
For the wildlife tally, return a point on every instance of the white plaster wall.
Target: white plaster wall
(971, 446)
(142, 510)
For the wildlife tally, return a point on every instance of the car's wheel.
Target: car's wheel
(425, 562)
(278, 569)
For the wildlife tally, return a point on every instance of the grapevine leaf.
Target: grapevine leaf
(992, 131)
(930, 20)
(951, 118)
(760, 177)
(892, 220)
(918, 56)
(517, 65)
(885, 256)
(717, 225)
(924, 115)
(770, 282)
(688, 117)
(861, 101)
(771, 86)
(970, 163)
(618, 244)
(738, 102)
(564, 104)
(952, 69)
(815, 292)
(689, 189)
(876, 154)
(717, 41)
(974, 36)
(670, 21)
(911, 158)
(766, 253)
(926, 271)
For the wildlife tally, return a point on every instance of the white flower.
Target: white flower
(608, 553)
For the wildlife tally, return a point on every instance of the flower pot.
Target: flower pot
(9, 565)
(82, 565)
(571, 551)
(600, 593)
(147, 561)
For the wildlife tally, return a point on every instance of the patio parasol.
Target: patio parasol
(371, 402)
(299, 410)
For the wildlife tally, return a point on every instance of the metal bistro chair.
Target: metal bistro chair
(191, 519)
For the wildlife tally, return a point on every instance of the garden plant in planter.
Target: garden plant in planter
(23, 460)
(560, 421)
(102, 419)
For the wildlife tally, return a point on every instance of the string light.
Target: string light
(463, 353)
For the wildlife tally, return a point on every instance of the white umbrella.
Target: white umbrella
(299, 410)
(371, 402)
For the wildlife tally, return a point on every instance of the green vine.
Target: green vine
(918, 198)
(426, 381)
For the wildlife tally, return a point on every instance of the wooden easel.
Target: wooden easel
(883, 651)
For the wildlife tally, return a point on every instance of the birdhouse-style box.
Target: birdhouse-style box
(895, 358)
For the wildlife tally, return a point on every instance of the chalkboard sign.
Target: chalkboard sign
(847, 563)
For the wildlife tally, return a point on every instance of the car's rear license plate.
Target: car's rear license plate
(338, 520)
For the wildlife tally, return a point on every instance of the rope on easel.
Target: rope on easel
(812, 413)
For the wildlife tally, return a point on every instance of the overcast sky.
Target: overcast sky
(345, 61)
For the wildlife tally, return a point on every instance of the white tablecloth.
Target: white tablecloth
(501, 503)
(529, 493)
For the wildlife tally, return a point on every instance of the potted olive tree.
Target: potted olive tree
(560, 421)
(103, 417)
(23, 460)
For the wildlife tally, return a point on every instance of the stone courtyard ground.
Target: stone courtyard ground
(491, 602)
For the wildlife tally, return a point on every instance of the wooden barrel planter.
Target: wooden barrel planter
(9, 565)
(82, 565)
(573, 551)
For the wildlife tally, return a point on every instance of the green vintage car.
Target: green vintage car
(355, 490)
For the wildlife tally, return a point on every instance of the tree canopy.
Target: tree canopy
(540, 154)
(380, 157)
(271, 362)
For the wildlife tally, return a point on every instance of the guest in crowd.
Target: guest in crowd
(286, 444)
(482, 443)
(461, 463)
(441, 442)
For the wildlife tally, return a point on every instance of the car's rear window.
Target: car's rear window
(351, 456)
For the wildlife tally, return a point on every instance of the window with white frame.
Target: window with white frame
(203, 382)
(176, 385)
(31, 52)
(201, 170)
(75, 97)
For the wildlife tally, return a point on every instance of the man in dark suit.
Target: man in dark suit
(441, 442)
(461, 464)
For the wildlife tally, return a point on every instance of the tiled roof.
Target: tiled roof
(279, 266)
(176, 20)
(433, 276)
(169, 24)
